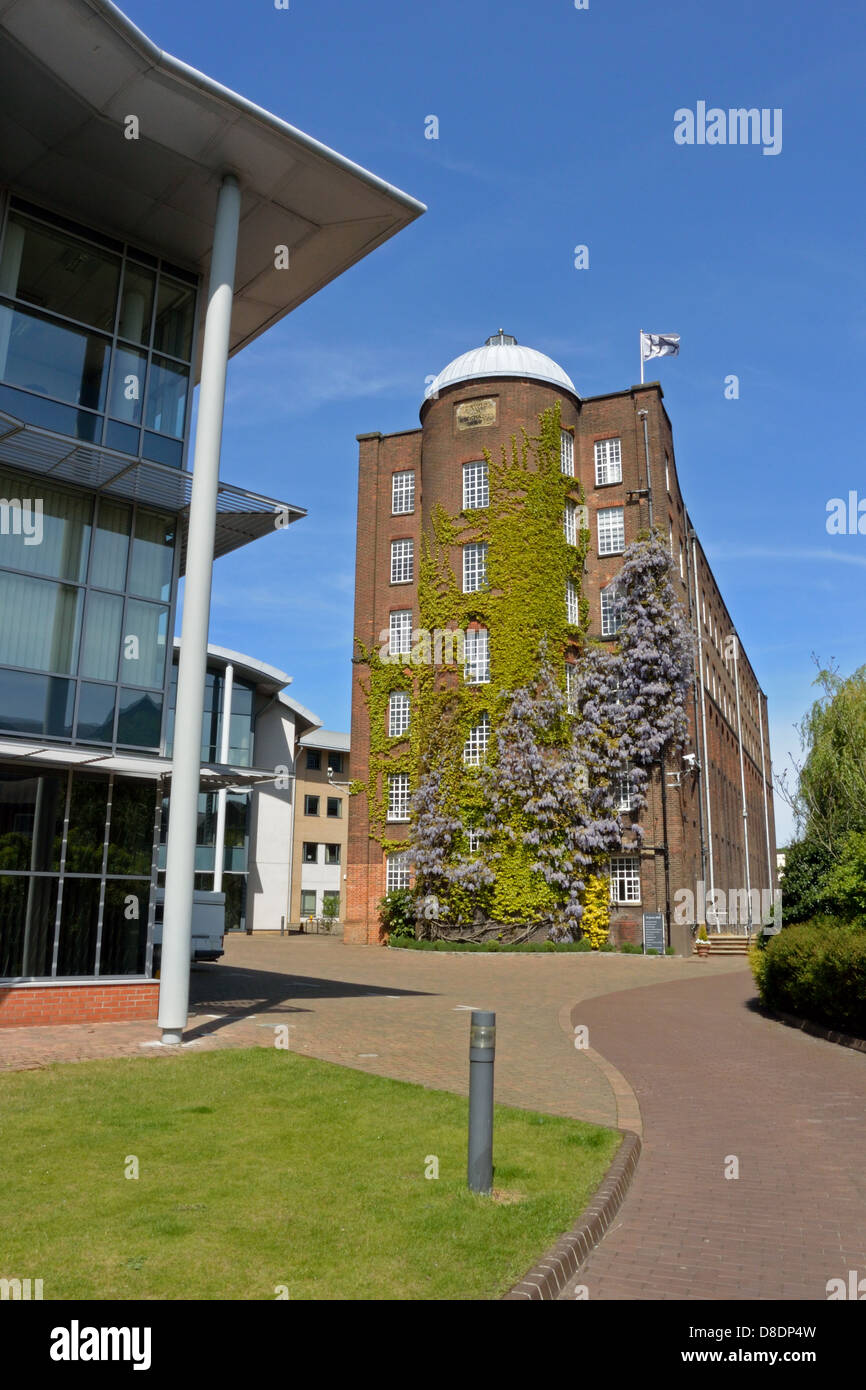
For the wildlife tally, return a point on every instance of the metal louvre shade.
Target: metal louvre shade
(241, 516)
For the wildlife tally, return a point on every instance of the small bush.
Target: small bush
(397, 914)
(630, 948)
(817, 971)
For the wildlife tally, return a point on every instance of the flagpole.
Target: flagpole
(640, 340)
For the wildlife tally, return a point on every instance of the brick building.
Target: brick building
(619, 447)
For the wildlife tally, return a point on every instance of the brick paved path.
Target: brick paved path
(713, 1079)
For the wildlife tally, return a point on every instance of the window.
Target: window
(612, 603)
(667, 471)
(476, 744)
(572, 606)
(682, 569)
(474, 839)
(625, 792)
(335, 807)
(335, 761)
(611, 530)
(332, 854)
(308, 902)
(476, 491)
(474, 567)
(571, 687)
(400, 634)
(314, 760)
(625, 879)
(399, 708)
(402, 493)
(311, 805)
(311, 853)
(331, 904)
(570, 522)
(670, 536)
(566, 452)
(476, 668)
(608, 462)
(402, 562)
(397, 871)
(398, 796)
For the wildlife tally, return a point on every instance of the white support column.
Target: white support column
(225, 744)
(192, 666)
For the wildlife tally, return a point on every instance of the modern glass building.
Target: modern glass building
(106, 244)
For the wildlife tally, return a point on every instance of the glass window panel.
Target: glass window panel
(242, 698)
(175, 310)
(136, 304)
(28, 911)
(95, 722)
(88, 810)
(58, 272)
(145, 644)
(235, 889)
(100, 650)
(40, 623)
(240, 740)
(207, 818)
(53, 359)
(308, 902)
(79, 919)
(32, 808)
(162, 450)
(130, 839)
(127, 385)
(167, 388)
(140, 719)
(204, 861)
(63, 419)
(152, 556)
(36, 705)
(124, 927)
(124, 438)
(43, 531)
(110, 546)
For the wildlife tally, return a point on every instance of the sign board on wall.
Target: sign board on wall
(469, 415)
(654, 932)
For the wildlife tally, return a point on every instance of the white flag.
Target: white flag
(659, 345)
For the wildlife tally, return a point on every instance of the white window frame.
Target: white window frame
(476, 745)
(398, 870)
(610, 523)
(572, 602)
(608, 462)
(570, 683)
(403, 492)
(474, 840)
(400, 632)
(667, 471)
(566, 453)
(611, 603)
(626, 796)
(398, 796)
(476, 485)
(399, 713)
(476, 653)
(402, 562)
(474, 566)
(569, 521)
(625, 879)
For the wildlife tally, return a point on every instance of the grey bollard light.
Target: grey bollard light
(482, 1053)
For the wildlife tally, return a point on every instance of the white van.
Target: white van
(208, 926)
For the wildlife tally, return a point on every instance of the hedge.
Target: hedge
(817, 971)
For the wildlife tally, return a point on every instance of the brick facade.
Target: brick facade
(676, 855)
(92, 1002)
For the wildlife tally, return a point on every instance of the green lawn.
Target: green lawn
(260, 1168)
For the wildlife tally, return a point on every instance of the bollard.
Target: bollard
(482, 1052)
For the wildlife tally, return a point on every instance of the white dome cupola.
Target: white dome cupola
(501, 355)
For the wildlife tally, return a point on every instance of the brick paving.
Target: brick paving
(715, 1079)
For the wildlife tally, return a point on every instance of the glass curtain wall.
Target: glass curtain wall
(96, 337)
(76, 852)
(86, 593)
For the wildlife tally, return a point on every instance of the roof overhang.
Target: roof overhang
(214, 776)
(241, 516)
(72, 71)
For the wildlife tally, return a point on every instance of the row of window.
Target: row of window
(311, 853)
(474, 751)
(476, 493)
(624, 873)
(334, 806)
(314, 760)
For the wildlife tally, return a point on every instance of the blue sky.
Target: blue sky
(556, 129)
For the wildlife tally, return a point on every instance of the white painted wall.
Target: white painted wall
(271, 823)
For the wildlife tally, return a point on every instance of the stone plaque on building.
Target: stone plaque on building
(470, 414)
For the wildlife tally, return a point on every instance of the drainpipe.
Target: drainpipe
(710, 857)
(192, 665)
(649, 486)
(743, 782)
(766, 811)
(694, 600)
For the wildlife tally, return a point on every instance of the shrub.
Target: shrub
(817, 971)
(397, 914)
(630, 948)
